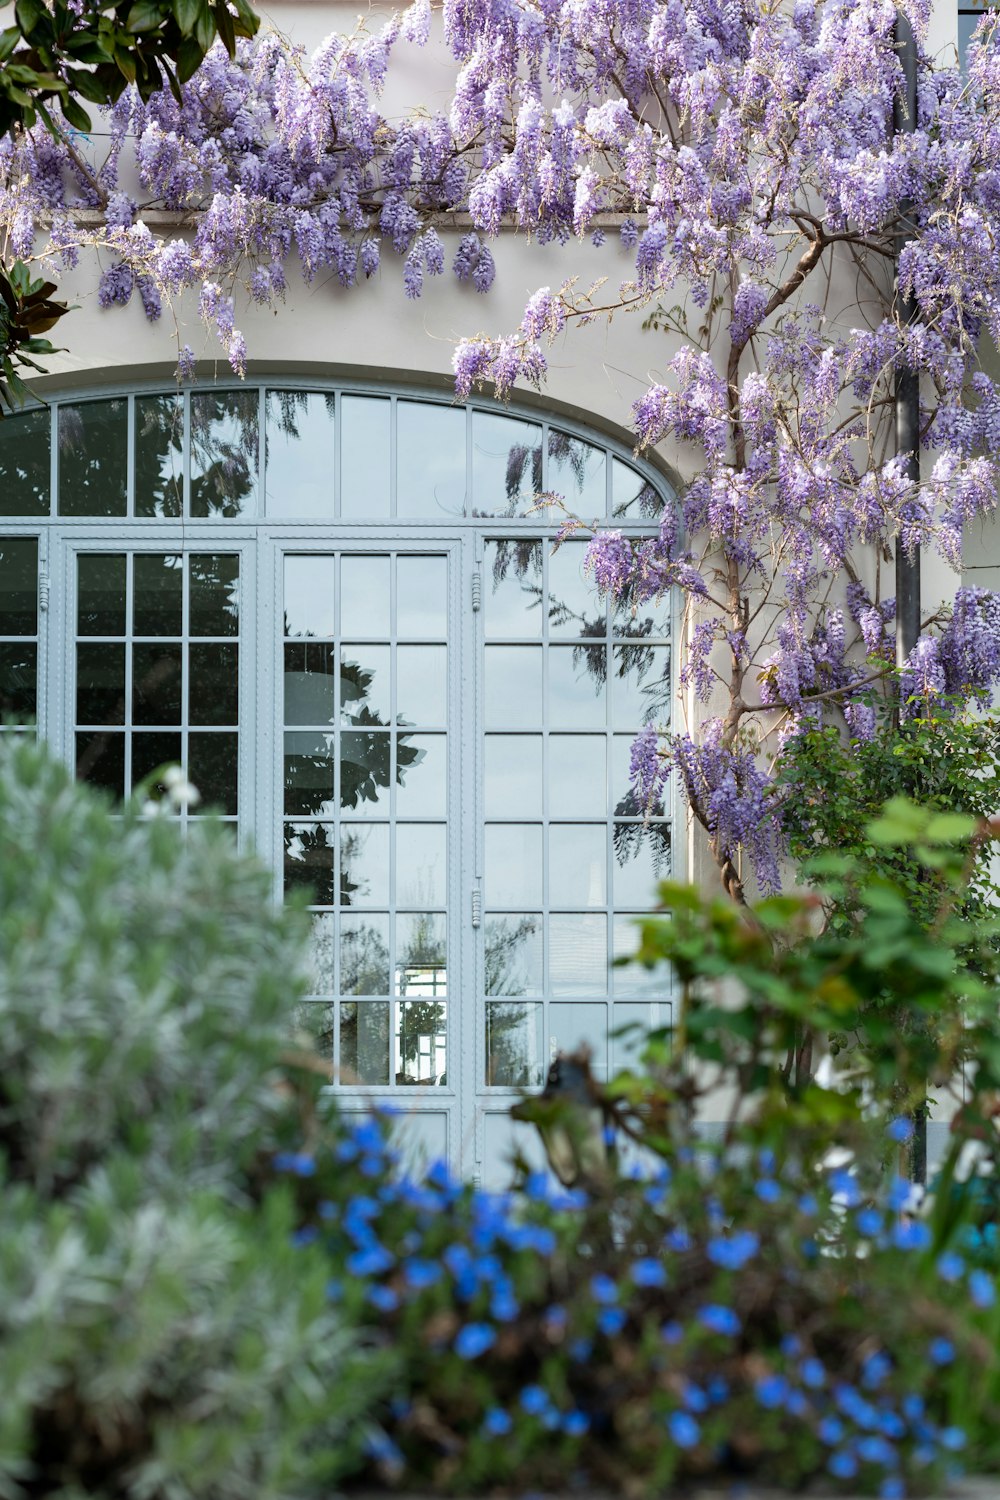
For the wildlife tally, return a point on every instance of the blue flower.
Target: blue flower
(952, 1438)
(941, 1351)
(580, 1350)
(950, 1266)
(831, 1430)
(334, 1290)
(371, 1166)
(912, 1236)
(808, 1205)
(813, 1373)
(875, 1369)
(720, 1319)
(898, 1193)
(372, 1260)
(844, 1186)
(677, 1239)
(497, 1422)
(421, 1273)
(649, 1272)
(535, 1400)
(900, 1129)
(694, 1397)
(767, 1190)
(611, 1320)
(299, 1163)
(603, 1289)
(556, 1317)
(536, 1186)
(791, 1345)
(383, 1298)
(771, 1391)
(875, 1450)
(307, 1235)
(869, 1222)
(718, 1389)
(382, 1448)
(683, 1429)
(892, 1488)
(733, 1253)
(892, 1425)
(504, 1306)
(474, 1339)
(575, 1423)
(981, 1289)
(671, 1333)
(913, 1407)
(842, 1465)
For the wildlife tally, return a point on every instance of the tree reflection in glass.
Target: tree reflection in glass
(421, 978)
(225, 440)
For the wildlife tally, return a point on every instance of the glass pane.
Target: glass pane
(513, 1045)
(100, 759)
(513, 875)
(224, 445)
(513, 765)
(215, 593)
(578, 864)
(213, 766)
(421, 954)
(421, 775)
(572, 1025)
(310, 592)
(323, 954)
(578, 776)
(635, 979)
(577, 471)
(25, 444)
(309, 773)
(309, 684)
(506, 464)
(578, 954)
(156, 684)
(100, 608)
(641, 860)
(512, 589)
(577, 686)
(575, 608)
(364, 955)
(422, 1042)
(149, 753)
(421, 870)
(313, 1029)
(641, 686)
(513, 686)
(309, 861)
(93, 440)
(158, 603)
(623, 800)
(422, 685)
(430, 444)
(214, 683)
(364, 1042)
(364, 456)
(18, 585)
(631, 1024)
(18, 677)
(365, 771)
(364, 597)
(422, 598)
(364, 864)
(364, 685)
(299, 448)
(100, 684)
(632, 497)
(159, 455)
(514, 954)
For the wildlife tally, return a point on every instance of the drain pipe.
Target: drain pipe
(904, 122)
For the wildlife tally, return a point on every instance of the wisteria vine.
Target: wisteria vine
(745, 155)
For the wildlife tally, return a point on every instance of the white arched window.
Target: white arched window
(340, 609)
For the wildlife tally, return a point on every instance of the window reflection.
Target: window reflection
(506, 464)
(299, 453)
(93, 443)
(25, 442)
(224, 449)
(514, 955)
(513, 1044)
(159, 455)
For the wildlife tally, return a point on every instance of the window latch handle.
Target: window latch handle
(477, 906)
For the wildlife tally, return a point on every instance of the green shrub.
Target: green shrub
(161, 1333)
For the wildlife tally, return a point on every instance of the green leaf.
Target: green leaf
(75, 113)
(145, 15)
(8, 41)
(91, 87)
(189, 56)
(949, 828)
(186, 14)
(29, 13)
(204, 27)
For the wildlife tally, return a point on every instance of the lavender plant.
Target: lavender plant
(746, 155)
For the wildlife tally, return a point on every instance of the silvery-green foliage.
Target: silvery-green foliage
(164, 1334)
(145, 986)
